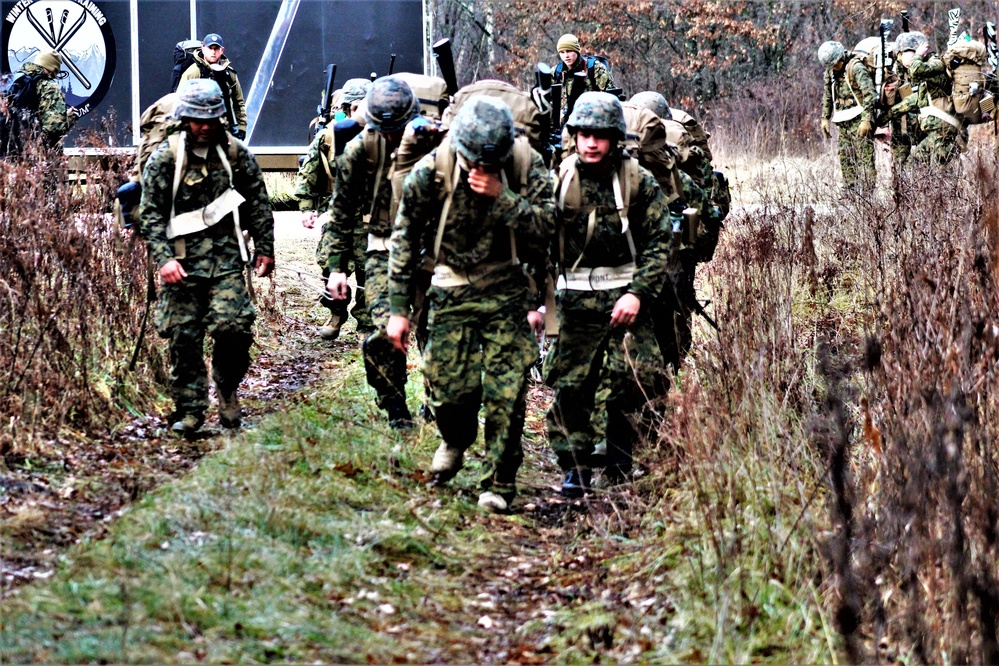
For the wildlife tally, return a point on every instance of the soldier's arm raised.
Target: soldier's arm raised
(533, 215)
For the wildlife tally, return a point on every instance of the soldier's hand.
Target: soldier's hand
(485, 183)
(537, 322)
(625, 311)
(397, 331)
(309, 219)
(263, 266)
(337, 286)
(865, 130)
(826, 128)
(172, 272)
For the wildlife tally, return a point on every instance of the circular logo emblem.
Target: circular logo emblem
(78, 31)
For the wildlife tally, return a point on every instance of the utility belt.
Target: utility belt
(846, 115)
(599, 278)
(196, 221)
(379, 243)
(927, 111)
(447, 277)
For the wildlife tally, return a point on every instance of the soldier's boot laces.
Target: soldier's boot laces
(493, 503)
(186, 426)
(446, 463)
(330, 330)
(576, 483)
(230, 413)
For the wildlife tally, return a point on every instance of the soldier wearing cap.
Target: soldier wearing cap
(363, 207)
(849, 101)
(572, 62)
(53, 118)
(494, 213)
(314, 187)
(613, 264)
(201, 188)
(212, 64)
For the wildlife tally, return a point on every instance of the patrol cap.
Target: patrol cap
(213, 39)
(50, 60)
(200, 99)
(596, 110)
(482, 131)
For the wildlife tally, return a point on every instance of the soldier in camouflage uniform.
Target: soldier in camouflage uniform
(481, 345)
(199, 250)
(943, 132)
(364, 189)
(597, 76)
(905, 132)
(313, 189)
(53, 118)
(610, 274)
(849, 100)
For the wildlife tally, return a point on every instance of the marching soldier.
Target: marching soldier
(200, 188)
(597, 76)
(364, 188)
(53, 119)
(213, 64)
(613, 260)
(849, 101)
(479, 204)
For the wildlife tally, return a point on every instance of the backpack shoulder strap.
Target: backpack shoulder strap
(374, 149)
(448, 174)
(522, 159)
(178, 145)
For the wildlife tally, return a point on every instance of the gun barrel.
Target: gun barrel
(543, 75)
(445, 62)
(391, 63)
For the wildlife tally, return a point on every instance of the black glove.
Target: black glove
(239, 133)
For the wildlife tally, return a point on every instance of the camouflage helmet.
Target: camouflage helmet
(654, 102)
(390, 105)
(199, 98)
(482, 130)
(354, 89)
(830, 54)
(597, 111)
(909, 41)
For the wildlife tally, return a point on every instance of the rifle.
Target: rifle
(543, 85)
(905, 20)
(391, 63)
(445, 63)
(325, 111)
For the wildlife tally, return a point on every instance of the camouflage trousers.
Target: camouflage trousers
(479, 353)
(351, 262)
(384, 365)
(591, 361)
(856, 157)
(221, 307)
(941, 144)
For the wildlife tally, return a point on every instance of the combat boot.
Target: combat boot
(186, 426)
(576, 483)
(398, 414)
(446, 463)
(330, 330)
(493, 503)
(230, 413)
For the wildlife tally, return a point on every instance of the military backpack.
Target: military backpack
(18, 109)
(965, 61)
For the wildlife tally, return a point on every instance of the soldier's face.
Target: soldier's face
(201, 131)
(212, 53)
(569, 58)
(906, 58)
(593, 147)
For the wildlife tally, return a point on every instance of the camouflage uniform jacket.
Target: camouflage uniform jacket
(215, 251)
(52, 118)
(226, 77)
(846, 87)
(649, 222)
(931, 82)
(355, 185)
(313, 186)
(476, 230)
(597, 78)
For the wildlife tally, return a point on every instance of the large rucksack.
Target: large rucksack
(528, 119)
(18, 109)
(183, 57)
(965, 61)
